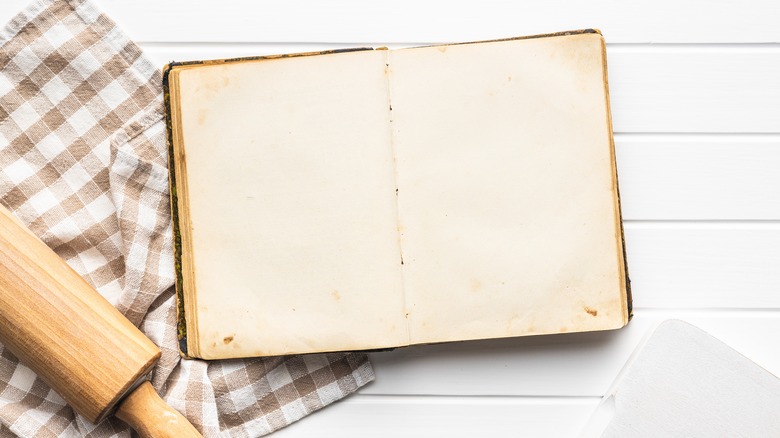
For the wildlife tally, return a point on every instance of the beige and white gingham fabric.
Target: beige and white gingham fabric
(83, 164)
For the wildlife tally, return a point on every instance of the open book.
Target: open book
(366, 199)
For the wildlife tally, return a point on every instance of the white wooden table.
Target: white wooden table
(695, 90)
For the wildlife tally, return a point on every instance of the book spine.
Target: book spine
(181, 322)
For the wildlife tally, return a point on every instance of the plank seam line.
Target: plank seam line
(702, 224)
(699, 136)
(767, 46)
(481, 397)
(728, 312)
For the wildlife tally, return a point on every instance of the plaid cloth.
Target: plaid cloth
(83, 164)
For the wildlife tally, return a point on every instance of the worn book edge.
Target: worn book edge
(628, 304)
(173, 162)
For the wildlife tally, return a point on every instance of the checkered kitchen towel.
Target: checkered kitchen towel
(83, 164)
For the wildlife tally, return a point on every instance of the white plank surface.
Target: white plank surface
(394, 416)
(442, 21)
(699, 177)
(579, 364)
(704, 265)
(692, 89)
(695, 89)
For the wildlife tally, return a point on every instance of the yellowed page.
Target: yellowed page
(506, 189)
(292, 203)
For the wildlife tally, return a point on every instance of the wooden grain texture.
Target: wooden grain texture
(60, 327)
(151, 417)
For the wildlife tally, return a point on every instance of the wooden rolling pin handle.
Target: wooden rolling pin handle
(151, 417)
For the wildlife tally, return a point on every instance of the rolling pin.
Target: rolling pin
(75, 340)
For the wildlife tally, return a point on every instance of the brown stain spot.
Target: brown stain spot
(442, 49)
(476, 285)
(201, 117)
(509, 78)
(513, 323)
(591, 312)
(213, 87)
(335, 295)
(227, 339)
(563, 329)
